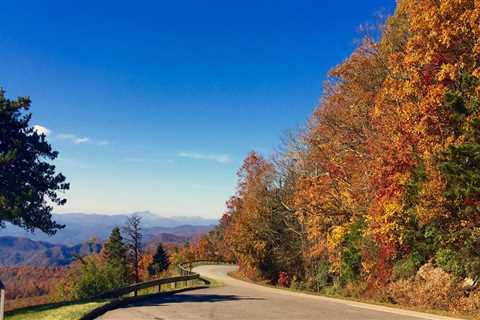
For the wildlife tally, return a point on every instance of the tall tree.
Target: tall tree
(115, 253)
(133, 233)
(161, 261)
(29, 184)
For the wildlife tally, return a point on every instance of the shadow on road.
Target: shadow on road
(198, 298)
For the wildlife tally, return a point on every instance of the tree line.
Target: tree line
(122, 261)
(379, 195)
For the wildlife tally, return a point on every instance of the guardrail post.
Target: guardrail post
(2, 300)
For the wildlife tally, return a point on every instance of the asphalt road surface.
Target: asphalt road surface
(242, 300)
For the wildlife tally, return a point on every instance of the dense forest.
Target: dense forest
(379, 195)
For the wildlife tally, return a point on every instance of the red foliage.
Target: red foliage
(283, 279)
(30, 285)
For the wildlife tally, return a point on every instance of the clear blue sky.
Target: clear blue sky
(153, 104)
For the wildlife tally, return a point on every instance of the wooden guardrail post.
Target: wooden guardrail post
(2, 300)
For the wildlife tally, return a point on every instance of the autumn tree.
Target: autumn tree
(425, 120)
(29, 184)
(133, 238)
(385, 177)
(252, 233)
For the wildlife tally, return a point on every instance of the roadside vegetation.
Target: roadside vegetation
(121, 262)
(378, 197)
(73, 311)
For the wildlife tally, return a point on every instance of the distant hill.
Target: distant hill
(15, 251)
(81, 227)
(19, 251)
(188, 231)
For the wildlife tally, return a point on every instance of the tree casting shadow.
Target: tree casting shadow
(157, 301)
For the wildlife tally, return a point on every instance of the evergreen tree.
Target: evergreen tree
(29, 185)
(160, 262)
(115, 252)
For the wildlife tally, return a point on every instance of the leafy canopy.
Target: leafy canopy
(29, 184)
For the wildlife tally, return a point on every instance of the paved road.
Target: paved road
(242, 300)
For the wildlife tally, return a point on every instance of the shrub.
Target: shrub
(283, 280)
(431, 288)
(451, 262)
(469, 303)
(351, 256)
(297, 284)
(354, 289)
(407, 267)
(322, 276)
(333, 289)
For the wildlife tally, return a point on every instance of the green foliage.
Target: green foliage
(332, 290)
(160, 262)
(460, 166)
(351, 252)
(92, 279)
(322, 277)
(297, 284)
(116, 260)
(451, 262)
(407, 267)
(29, 184)
(101, 273)
(413, 185)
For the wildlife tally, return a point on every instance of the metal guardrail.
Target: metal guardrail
(186, 267)
(186, 275)
(147, 284)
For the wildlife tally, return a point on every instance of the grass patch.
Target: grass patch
(72, 311)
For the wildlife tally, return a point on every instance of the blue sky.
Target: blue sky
(153, 104)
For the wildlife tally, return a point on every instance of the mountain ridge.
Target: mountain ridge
(81, 227)
(18, 251)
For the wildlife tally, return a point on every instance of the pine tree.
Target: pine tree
(29, 185)
(115, 252)
(160, 262)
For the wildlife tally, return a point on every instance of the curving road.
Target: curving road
(243, 300)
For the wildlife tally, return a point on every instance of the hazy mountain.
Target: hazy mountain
(81, 227)
(184, 230)
(19, 251)
(16, 251)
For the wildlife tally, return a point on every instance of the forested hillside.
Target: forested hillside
(380, 195)
(25, 252)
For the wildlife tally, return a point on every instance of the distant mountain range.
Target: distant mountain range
(16, 251)
(82, 227)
